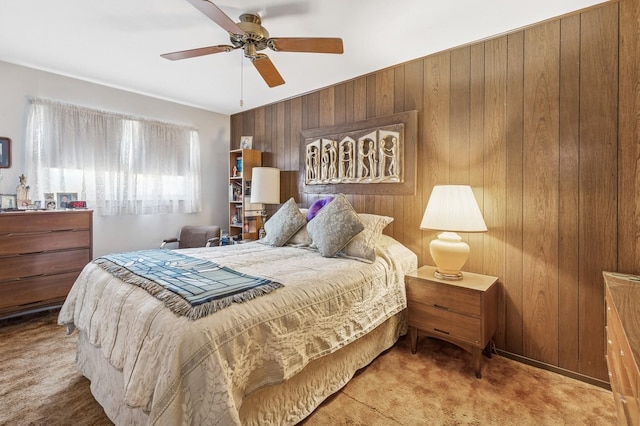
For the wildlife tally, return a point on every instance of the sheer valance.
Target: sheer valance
(119, 164)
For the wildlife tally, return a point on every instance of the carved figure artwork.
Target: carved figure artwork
(388, 157)
(333, 160)
(329, 167)
(324, 163)
(370, 161)
(312, 162)
(374, 157)
(347, 155)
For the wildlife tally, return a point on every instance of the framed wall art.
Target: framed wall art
(5, 153)
(376, 156)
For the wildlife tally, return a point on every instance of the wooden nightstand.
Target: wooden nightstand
(463, 312)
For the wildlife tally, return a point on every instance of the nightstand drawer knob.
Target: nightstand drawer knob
(441, 331)
(440, 307)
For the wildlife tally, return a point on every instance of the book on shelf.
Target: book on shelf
(239, 164)
(235, 191)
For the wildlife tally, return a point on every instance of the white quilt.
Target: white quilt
(199, 372)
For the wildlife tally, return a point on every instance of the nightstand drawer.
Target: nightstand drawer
(445, 296)
(447, 324)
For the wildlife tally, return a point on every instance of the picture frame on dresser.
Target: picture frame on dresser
(5, 152)
(49, 201)
(7, 201)
(66, 197)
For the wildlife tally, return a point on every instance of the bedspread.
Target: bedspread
(199, 371)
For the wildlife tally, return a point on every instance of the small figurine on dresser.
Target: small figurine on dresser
(22, 193)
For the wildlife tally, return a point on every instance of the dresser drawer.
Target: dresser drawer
(619, 351)
(49, 263)
(615, 358)
(448, 297)
(447, 324)
(29, 222)
(43, 241)
(36, 289)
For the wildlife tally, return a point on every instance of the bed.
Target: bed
(268, 360)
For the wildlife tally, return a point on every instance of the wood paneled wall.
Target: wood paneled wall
(543, 123)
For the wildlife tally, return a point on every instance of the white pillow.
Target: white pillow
(363, 246)
(301, 238)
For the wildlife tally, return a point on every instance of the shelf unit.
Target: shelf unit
(247, 216)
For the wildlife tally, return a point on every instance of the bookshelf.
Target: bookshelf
(244, 218)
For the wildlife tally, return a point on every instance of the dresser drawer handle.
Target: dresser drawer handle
(29, 233)
(440, 307)
(441, 331)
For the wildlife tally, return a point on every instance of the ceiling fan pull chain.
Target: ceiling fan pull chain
(241, 81)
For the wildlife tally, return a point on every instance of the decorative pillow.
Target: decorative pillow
(363, 246)
(283, 224)
(301, 238)
(317, 206)
(334, 226)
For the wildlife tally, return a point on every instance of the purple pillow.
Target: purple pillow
(316, 206)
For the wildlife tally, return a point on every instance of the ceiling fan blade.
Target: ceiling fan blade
(267, 70)
(214, 13)
(311, 45)
(192, 53)
(295, 7)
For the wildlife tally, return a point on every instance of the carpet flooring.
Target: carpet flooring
(39, 385)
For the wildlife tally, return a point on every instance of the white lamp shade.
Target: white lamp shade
(265, 185)
(453, 208)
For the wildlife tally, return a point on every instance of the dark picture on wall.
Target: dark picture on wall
(5, 152)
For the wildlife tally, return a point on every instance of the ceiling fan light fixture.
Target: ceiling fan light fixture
(250, 51)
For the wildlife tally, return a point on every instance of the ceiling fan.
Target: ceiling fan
(252, 37)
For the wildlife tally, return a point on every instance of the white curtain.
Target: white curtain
(118, 164)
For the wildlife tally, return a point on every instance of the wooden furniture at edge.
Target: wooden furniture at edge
(248, 223)
(41, 255)
(622, 298)
(463, 312)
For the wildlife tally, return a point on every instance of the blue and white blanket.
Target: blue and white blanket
(188, 286)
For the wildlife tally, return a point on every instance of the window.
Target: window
(118, 164)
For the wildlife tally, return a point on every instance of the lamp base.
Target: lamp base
(263, 218)
(449, 277)
(450, 254)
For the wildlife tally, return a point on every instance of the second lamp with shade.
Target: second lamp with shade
(265, 189)
(451, 209)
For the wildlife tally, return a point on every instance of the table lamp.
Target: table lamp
(451, 209)
(265, 189)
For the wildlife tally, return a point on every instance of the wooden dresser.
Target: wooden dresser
(622, 296)
(41, 255)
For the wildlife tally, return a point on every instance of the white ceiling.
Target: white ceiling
(118, 42)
